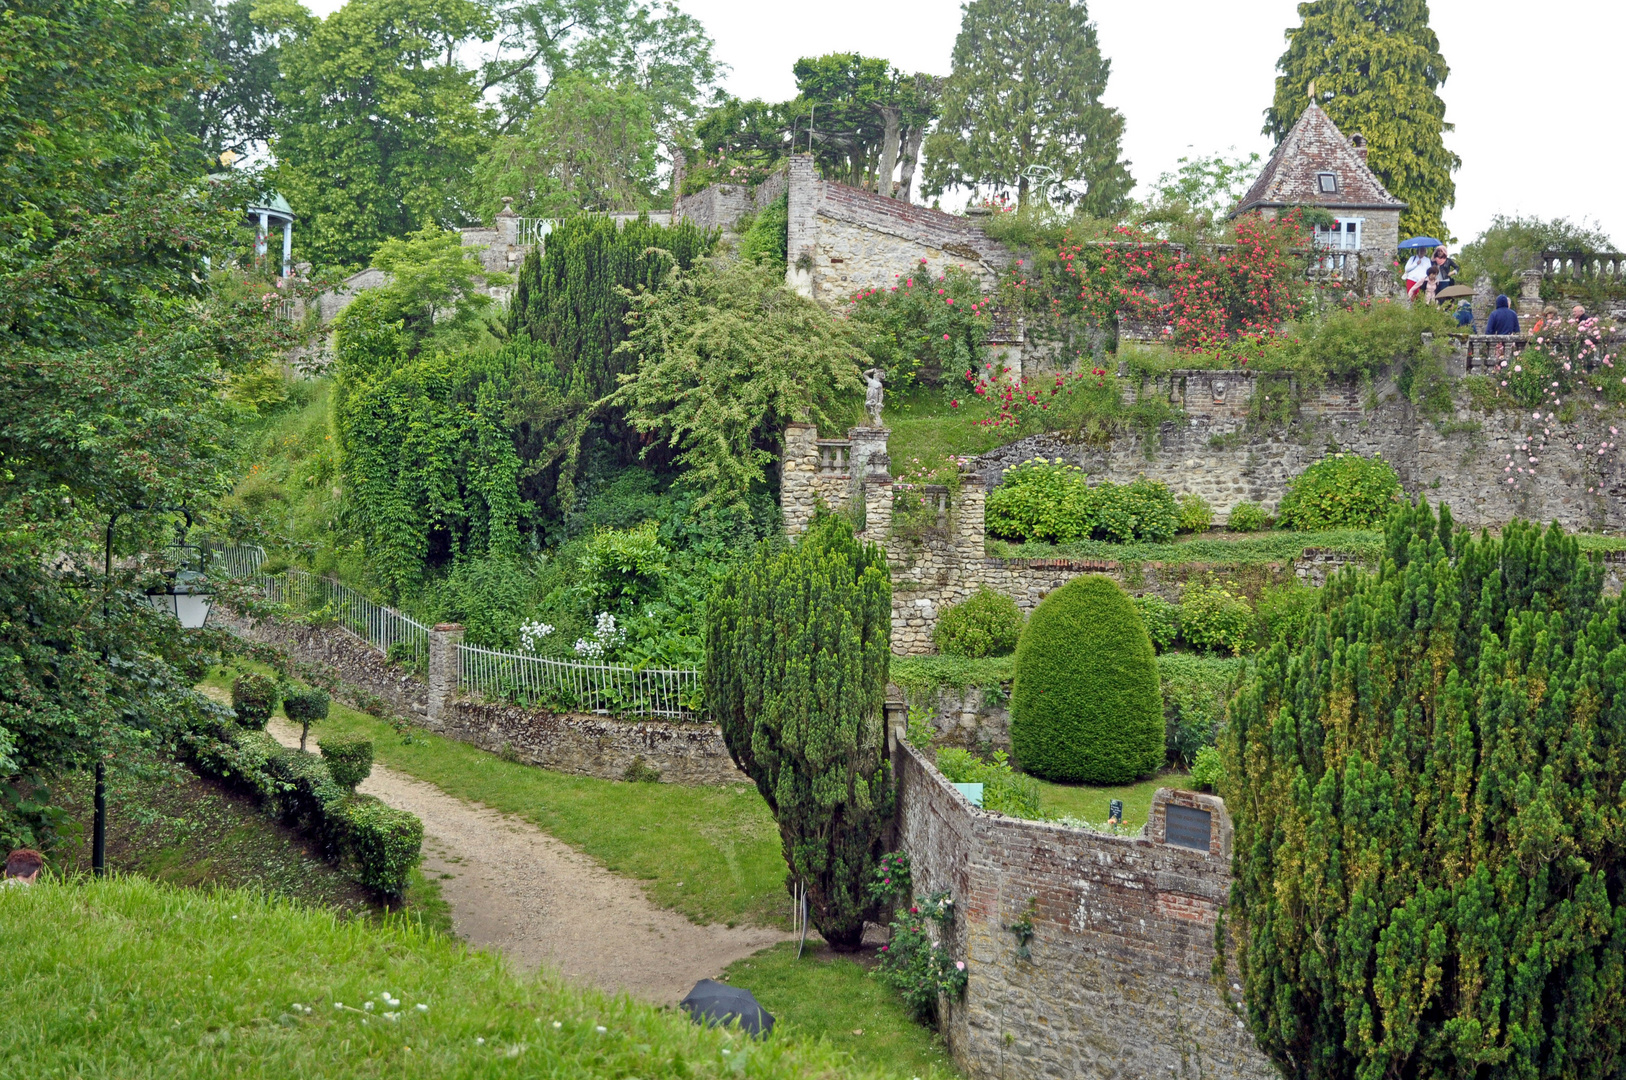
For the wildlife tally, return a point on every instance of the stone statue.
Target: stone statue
(872, 396)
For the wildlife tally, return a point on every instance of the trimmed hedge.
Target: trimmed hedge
(1085, 701)
(253, 698)
(986, 623)
(1052, 502)
(349, 759)
(380, 842)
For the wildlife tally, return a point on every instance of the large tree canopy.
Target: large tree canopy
(1376, 69)
(1026, 91)
(1430, 844)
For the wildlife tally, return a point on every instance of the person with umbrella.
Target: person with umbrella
(1417, 266)
(1448, 267)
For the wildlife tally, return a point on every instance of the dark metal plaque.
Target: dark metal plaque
(1187, 828)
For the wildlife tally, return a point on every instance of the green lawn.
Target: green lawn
(1088, 802)
(924, 427)
(130, 978)
(829, 996)
(711, 853)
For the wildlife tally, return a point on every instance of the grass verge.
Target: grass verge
(130, 978)
(1087, 802)
(826, 995)
(711, 853)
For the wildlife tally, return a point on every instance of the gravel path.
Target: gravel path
(515, 888)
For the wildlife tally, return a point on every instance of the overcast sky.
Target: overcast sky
(1531, 101)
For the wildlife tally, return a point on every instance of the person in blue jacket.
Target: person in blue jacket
(1503, 320)
(1465, 314)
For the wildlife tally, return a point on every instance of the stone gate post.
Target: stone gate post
(444, 639)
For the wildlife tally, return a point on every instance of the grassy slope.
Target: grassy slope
(711, 853)
(834, 997)
(128, 978)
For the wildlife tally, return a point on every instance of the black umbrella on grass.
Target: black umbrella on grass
(713, 1002)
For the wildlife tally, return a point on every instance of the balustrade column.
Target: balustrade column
(444, 638)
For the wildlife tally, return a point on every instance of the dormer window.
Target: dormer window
(1327, 183)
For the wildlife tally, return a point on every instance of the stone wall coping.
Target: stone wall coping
(447, 627)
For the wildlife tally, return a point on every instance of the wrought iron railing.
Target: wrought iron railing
(398, 636)
(238, 561)
(609, 689)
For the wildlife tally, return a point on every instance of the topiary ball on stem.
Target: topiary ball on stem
(349, 759)
(1085, 703)
(304, 705)
(253, 699)
(986, 623)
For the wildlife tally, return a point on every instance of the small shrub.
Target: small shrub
(1208, 771)
(1341, 491)
(303, 705)
(1247, 517)
(384, 842)
(1085, 705)
(1196, 516)
(349, 758)
(1214, 617)
(1004, 790)
(915, 964)
(1049, 501)
(254, 699)
(1195, 691)
(1162, 619)
(641, 772)
(1284, 612)
(920, 732)
(986, 623)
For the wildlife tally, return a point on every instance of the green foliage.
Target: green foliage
(233, 107)
(431, 293)
(1195, 690)
(1366, 342)
(767, 239)
(797, 644)
(1511, 244)
(1341, 491)
(1196, 516)
(1025, 90)
(845, 97)
(1004, 790)
(915, 964)
(254, 699)
(1247, 517)
(622, 569)
(721, 360)
(303, 705)
(1376, 70)
(1284, 613)
(589, 145)
(1043, 500)
(986, 623)
(925, 328)
(1208, 769)
(1161, 619)
(1462, 706)
(1215, 616)
(1188, 203)
(384, 842)
(1084, 704)
(349, 758)
(380, 122)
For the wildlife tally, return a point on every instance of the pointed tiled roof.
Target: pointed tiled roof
(1315, 146)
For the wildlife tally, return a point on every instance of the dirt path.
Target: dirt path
(515, 888)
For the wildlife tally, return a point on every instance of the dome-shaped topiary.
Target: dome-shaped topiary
(1085, 704)
(986, 623)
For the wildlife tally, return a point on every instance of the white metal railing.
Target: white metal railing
(610, 689)
(237, 561)
(532, 231)
(398, 636)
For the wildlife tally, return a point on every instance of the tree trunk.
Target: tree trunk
(889, 150)
(911, 156)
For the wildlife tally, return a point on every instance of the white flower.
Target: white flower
(421, 1007)
(338, 1004)
(392, 1017)
(557, 1025)
(478, 1041)
(601, 1029)
(367, 1005)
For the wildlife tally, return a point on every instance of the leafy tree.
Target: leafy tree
(1025, 91)
(724, 357)
(1375, 68)
(587, 146)
(742, 141)
(1511, 245)
(234, 106)
(432, 292)
(1426, 791)
(797, 645)
(381, 124)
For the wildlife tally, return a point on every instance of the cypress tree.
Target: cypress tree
(1377, 69)
(797, 645)
(1026, 90)
(1427, 790)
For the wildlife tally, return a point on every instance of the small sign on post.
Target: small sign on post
(1187, 827)
(1115, 812)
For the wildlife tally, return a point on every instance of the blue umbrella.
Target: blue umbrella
(1420, 242)
(712, 1002)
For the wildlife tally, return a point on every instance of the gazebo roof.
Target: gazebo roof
(1315, 147)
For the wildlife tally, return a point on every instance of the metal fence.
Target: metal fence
(237, 561)
(398, 636)
(610, 689)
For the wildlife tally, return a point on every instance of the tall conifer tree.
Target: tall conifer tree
(1026, 90)
(1376, 69)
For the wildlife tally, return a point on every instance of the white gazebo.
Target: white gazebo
(273, 209)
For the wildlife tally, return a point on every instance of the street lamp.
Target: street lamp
(185, 596)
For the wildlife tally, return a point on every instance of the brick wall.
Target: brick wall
(1118, 984)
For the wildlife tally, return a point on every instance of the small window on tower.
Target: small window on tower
(1328, 182)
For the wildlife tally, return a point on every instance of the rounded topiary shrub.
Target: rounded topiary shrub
(304, 705)
(1341, 491)
(1247, 517)
(253, 698)
(986, 623)
(1085, 704)
(349, 759)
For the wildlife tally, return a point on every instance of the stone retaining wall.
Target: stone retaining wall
(1118, 984)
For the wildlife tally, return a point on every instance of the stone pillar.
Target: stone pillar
(1484, 301)
(802, 230)
(969, 526)
(288, 247)
(867, 442)
(680, 172)
(1529, 302)
(878, 500)
(798, 496)
(507, 223)
(444, 639)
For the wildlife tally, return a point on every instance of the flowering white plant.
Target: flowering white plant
(532, 633)
(607, 634)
